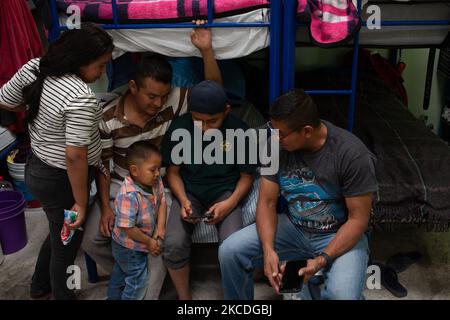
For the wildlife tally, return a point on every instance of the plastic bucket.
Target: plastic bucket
(16, 177)
(16, 168)
(17, 173)
(10, 195)
(15, 164)
(8, 204)
(9, 199)
(2, 257)
(13, 233)
(11, 209)
(11, 202)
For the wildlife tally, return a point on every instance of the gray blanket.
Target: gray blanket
(413, 166)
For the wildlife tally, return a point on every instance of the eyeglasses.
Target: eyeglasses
(280, 135)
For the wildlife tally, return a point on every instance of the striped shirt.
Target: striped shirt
(117, 134)
(135, 207)
(68, 115)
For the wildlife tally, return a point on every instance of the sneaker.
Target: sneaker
(40, 295)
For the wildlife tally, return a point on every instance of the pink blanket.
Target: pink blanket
(332, 22)
(160, 10)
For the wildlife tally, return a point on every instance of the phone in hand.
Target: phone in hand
(291, 282)
(196, 216)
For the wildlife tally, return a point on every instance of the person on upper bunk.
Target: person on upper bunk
(327, 177)
(144, 112)
(203, 189)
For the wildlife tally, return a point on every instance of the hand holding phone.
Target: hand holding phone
(291, 282)
(195, 216)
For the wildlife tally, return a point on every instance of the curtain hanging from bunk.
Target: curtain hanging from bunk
(19, 42)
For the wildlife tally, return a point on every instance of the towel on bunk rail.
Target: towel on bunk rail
(152, 11)
(331, 22)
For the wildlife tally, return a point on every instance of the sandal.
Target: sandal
(389, 280)
(401, 261)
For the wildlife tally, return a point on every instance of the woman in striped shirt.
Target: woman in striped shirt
(62, 116)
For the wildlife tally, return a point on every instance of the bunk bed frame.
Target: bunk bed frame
(290, 26)
(275, 27)
(281, 53)
(423, 200)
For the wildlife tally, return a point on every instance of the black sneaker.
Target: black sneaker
(40, 295)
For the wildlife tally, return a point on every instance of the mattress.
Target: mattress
(228, 43)
(398, 36)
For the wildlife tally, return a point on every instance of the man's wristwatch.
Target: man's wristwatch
(328, 259)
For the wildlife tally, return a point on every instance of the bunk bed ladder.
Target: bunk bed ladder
(289, 37)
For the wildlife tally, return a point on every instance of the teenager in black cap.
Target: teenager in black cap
(215, 189)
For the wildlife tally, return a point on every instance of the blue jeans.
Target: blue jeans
(130, 274)
(240, 253)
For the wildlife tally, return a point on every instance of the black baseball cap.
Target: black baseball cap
(207, 97)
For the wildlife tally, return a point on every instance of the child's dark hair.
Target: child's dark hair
(153, 66)
(74, 49)
(140, 151)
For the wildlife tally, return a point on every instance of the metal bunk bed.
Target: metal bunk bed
(412, 167)
(290, 26)
(274, 26)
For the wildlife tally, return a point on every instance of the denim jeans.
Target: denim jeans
(130, 275)
(242, 252)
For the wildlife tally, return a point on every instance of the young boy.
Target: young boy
(140, 209)
(199, 188)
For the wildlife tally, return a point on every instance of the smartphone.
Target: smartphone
(291, 281)
(196, 216)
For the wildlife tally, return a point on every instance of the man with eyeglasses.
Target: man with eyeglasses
(327, 177)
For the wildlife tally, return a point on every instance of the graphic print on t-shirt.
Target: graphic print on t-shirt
(310, 205)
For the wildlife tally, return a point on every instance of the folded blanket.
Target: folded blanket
(413, 163)
(331, 22)
(151, 11)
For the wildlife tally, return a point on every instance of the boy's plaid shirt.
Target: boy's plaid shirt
(135, 207)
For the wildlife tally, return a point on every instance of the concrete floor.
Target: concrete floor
(428, 279)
